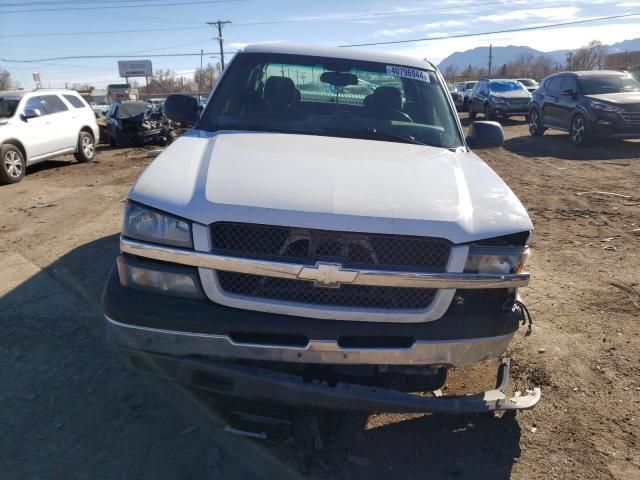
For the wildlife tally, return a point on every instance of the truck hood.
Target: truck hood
(331, 183)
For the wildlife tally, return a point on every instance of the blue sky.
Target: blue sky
(330, 22)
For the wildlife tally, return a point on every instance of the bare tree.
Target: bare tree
(5, 80)
(207, 77)
(82, 87)
(163, 81)
(589, 57)
(450, 73)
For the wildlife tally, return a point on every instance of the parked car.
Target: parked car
(588, 105)
(458, 98)
(529, 83)
(136, 123)
(317, 252)
(42, 124)
(465, 88)
(498, 98)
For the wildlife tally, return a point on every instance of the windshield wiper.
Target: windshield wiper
(372, 134)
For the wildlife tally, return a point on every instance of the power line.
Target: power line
(69, 2)
(266, 22)
(83, 57)
(479, 34)
(105, 7)
(69, 34)
(367, 15)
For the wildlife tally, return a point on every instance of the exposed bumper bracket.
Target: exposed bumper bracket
(264, 385)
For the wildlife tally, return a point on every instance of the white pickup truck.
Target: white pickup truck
(308, 245)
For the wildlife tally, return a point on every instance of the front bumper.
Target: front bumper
(448, 353)
(163, 324)
(614, 127)
(503, 109)
(257, 384)
(205, 345)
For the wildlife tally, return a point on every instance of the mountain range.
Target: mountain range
(478, 57)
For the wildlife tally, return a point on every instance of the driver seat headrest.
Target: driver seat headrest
(280, 91)
(387, 98)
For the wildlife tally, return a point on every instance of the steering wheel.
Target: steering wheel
(403, 116)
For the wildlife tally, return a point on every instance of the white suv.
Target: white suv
(42, 124)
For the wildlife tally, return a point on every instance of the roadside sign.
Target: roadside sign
(135, 68)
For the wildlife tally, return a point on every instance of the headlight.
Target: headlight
(160, 278)
(605, 107)
(146, 224)
(496, 260)
(495, 99)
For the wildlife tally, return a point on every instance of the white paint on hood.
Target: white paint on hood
(331, 183)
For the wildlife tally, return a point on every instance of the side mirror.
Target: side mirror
(182, 108)
(31, 113)
(484, 134)
(568, 93)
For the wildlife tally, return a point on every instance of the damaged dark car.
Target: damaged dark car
(137, 123)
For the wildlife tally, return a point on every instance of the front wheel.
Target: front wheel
(13, 164)
(487, 112)
(579, 131)
(535, 124)
(86, 149)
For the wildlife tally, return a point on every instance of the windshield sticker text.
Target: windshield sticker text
(405, 72)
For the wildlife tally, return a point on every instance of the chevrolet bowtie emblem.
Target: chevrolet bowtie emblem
(328, 275)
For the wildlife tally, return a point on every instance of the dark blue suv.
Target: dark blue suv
(588, 105)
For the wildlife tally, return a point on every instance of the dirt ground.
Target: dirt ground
(70, 407)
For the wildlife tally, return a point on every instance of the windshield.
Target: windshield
(332, 97)
(131, 109)
(527, 82)
(470, 85)
(8, 106)
(500, 86)
(608, 84)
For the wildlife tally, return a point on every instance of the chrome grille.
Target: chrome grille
(352, 250)
(518, 102)
(297, 291)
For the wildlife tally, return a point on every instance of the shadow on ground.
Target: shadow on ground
(560, 146)
(505, 122)
(71, 408)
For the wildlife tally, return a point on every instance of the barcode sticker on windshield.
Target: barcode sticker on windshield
(408, 73)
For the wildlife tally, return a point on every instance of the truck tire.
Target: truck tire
(13, 165)
(86, 148)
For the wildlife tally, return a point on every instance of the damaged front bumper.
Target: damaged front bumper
(253, 383)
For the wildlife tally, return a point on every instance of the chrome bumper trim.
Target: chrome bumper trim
(299, 271)
(450, 353)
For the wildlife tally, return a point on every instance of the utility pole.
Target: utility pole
(219, 24)
(200, 75)
(569, 58)
(490, 58)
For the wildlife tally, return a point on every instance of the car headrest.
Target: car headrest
(280, 91)
(387, 98)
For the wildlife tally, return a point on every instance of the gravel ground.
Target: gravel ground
(71, 408)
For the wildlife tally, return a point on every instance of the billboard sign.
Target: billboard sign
(135, 68)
